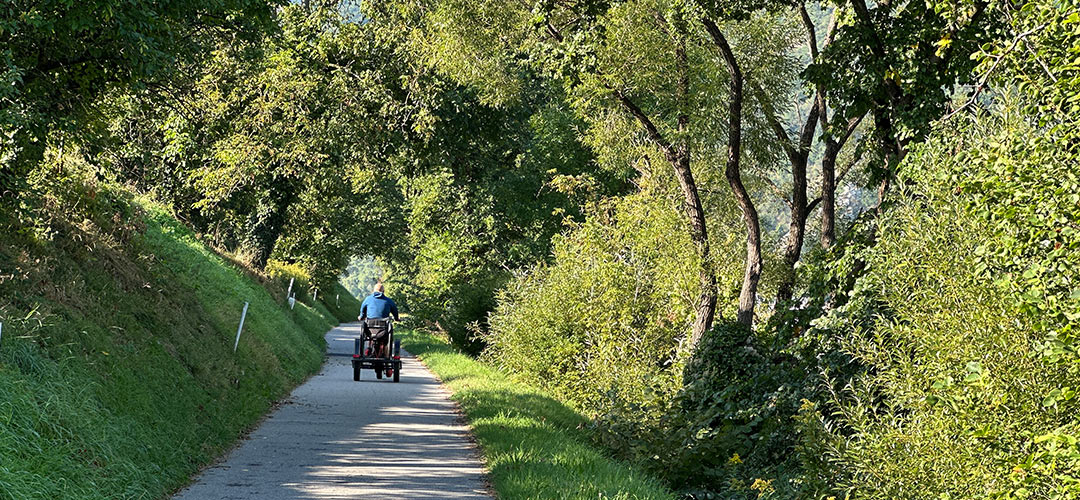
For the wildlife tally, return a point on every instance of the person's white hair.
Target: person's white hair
(377, 288)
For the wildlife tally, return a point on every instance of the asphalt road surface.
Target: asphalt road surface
(339, 439)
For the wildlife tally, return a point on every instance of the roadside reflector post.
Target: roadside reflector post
(292, 302)
(288, 293)
(240, 328)
(1, 333)
(316, 296)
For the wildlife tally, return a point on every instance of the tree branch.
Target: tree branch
(863, 14)
(997, 60)
(774, 124)
(779, 192)
(852, 124)
(650, 128)
(811, 32)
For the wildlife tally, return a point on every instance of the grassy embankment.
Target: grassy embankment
(534, 445)
(117, 372)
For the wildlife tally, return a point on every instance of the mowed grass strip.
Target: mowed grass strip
(534, 445)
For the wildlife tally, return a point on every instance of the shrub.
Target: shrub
(604, 328)
(969, 310)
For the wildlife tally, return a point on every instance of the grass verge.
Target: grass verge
(534, 445)
(118, 377)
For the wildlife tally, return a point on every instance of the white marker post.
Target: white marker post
(316, 296)
(240, 328)
(292, 302)
(288, 293)
(1, 333)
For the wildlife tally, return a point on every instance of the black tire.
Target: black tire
(356, 372)
(397, 362)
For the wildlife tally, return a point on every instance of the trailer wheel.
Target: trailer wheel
(356, 372)
(397, 360)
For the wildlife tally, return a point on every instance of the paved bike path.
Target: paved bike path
(339, 439)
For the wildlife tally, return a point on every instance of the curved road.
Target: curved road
(339, 439)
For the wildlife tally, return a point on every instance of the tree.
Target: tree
(283, 141)
(59, 57)
(798, 154)
(899, 62)
(622, 56)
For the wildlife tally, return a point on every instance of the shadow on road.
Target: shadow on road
(339, 439)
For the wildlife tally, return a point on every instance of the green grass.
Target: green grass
(117, 372)
(340, 303)
(534, 445)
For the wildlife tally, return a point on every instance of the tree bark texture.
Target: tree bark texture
(752, 274)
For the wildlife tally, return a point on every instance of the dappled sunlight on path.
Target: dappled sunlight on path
(339, 439)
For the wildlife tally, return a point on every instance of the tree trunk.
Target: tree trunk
(678, 155)
(796, 233)
(679, 158)
(891, 149)
(752, 275)
(706, 303)
(799, 156)
(828, 194)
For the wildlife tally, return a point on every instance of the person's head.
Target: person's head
(378, 288)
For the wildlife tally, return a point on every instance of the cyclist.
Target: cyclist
(375, 313)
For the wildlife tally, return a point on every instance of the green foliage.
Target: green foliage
(117, 374)
(361, 275)
(277, 147)
(477, 151)
(534, 445)
(484, 194)
(603, 325)
(969, 347)
(58, 57)
(966, 312)
(902, 63)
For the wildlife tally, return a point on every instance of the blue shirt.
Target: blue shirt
(377, 306)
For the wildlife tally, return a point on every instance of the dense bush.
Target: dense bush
(604, 327)
(966, 314)
(966, 321)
